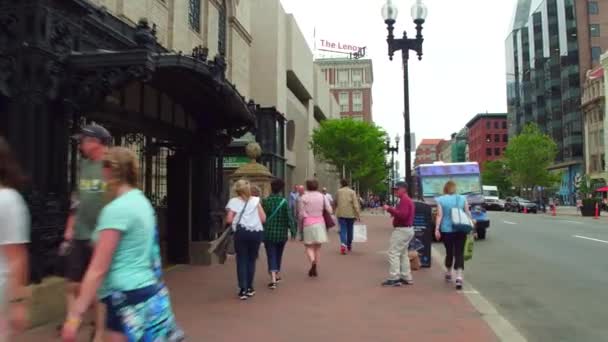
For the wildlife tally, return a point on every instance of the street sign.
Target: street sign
(234, 162)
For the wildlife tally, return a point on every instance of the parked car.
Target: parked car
(517, 205)
(494, 204)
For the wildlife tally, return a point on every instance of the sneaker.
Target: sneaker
(349, 248)
(250, 292)
(243, 294)
(272, 286)
(458, 284)
(343, 250)
(448, 277)
(406, 282)
(391, 282)
(279, 279)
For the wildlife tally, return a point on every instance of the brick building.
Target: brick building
(350, 82)
(488, 137)
(428, 151)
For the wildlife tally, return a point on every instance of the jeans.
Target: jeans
(246, 246)
(346, 231)
(398, 258)
(454, 249)
(274, 254)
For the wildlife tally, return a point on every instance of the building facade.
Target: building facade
(351, 82)
(428, 151)
(445, 151)
(552, 44)
(488, 137)
(593, 106)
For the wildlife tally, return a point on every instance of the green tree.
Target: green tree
(355, 146)
(497, 173)
(528, 156)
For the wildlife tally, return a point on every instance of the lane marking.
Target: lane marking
(588, 238)
(509, 222)
(575, 222)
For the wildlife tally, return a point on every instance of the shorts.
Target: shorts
(78, 259)
(142, 315)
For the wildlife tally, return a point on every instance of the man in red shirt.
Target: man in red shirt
(403, 220)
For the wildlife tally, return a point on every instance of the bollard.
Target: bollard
(597, 212)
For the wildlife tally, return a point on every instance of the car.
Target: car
(494, 204)
(517, 205)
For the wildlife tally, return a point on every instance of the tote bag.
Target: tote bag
(461, 222)
(360, 233)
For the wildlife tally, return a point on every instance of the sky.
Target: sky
(462, 71)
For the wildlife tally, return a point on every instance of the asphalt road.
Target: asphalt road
(547, 275)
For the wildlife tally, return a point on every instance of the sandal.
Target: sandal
(272, 286)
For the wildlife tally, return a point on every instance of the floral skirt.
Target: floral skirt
(143, 315)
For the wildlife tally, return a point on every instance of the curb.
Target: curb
(504, 330)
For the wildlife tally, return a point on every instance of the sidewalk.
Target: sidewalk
(573, 212)
(346, 303)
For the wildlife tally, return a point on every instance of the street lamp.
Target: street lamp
(392, 150)
(405, 44)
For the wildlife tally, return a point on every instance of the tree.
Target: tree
(496, 173)
(528, 156)
(356, 146)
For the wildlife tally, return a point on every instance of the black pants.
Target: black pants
(246, 246)
(454, 249)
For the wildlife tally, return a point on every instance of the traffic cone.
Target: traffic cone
(553, 210)
(525, 210)
(597, 212)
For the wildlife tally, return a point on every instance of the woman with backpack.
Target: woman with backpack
(454, 238)
(278, 225)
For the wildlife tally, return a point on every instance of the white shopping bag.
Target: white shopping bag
(360, 233)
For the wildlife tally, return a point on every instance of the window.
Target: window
(505, 138)
(496, 137)
(488, 124)
(593, 7)
(343, 78)
(488, 151)
(344, 105)
(194, 16)
(504, 125)
(497, 152)
(596, 52)
(357, 101)
(357, 78)
(488, 138)
(496, 124)
(594, 30)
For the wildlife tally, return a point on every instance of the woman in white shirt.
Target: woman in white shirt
(14, 233)
(246, 216)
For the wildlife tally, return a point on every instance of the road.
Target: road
(547, 275)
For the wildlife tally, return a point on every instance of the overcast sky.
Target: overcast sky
(462, 72)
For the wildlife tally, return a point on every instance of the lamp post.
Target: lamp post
(392, 150)
(405, 44)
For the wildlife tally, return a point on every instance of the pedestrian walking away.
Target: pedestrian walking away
(246, 216)
(278, 225)
(347, 210)
(314, 232)
(400, 272)
(87, 202)
(454, 241)
(122, 273)
(14, 236)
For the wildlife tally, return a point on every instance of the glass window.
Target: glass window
(596, 52)
(344, 105)
(505, 138)
(593, 7)
(594, 30)
(504, 125)
(488, 151)
(488, 124)
(343, 78)
(357, 101)
(497, 151)
(496, 137)
(496, 124)
(357, 78)
(488, 137)
(194, 15)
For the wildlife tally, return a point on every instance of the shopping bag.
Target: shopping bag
(414, 260)
(360, 233)
(468, 247)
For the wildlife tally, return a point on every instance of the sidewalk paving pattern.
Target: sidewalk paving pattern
(346, 302)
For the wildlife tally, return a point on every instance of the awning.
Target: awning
(602, 189)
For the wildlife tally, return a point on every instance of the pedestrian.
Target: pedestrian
(246, 216)
(276, 229)
(454, 241)
(14, 236)
(293, 199)
(87, 202)
(314, 232)
(122, 270)
(347, 211)
(400, 272)
(328, 196)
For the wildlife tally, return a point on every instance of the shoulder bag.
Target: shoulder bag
(461, 222)
(329, 220)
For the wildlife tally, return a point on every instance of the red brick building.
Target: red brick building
(428, 151)
(350, 81)
(488, 137)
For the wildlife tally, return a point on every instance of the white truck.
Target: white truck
(492, 199)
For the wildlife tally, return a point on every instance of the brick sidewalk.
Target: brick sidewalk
(346, 303)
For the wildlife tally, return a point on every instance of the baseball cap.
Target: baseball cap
(95, 131)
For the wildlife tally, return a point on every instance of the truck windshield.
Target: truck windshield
(432, 186)
(490, 193)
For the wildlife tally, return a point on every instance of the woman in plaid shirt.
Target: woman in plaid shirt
(278, 223)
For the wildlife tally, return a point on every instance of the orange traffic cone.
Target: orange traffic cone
(597, 212)
(553, 210)
(525, 210)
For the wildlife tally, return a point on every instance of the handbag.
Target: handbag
(360, 233)
(461, 222)
(238, 222)
(329, 220)
(468, 247)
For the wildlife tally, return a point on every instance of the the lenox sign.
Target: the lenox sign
(328, 45)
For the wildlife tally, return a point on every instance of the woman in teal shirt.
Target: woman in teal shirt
(454, 241)
(121, 271)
